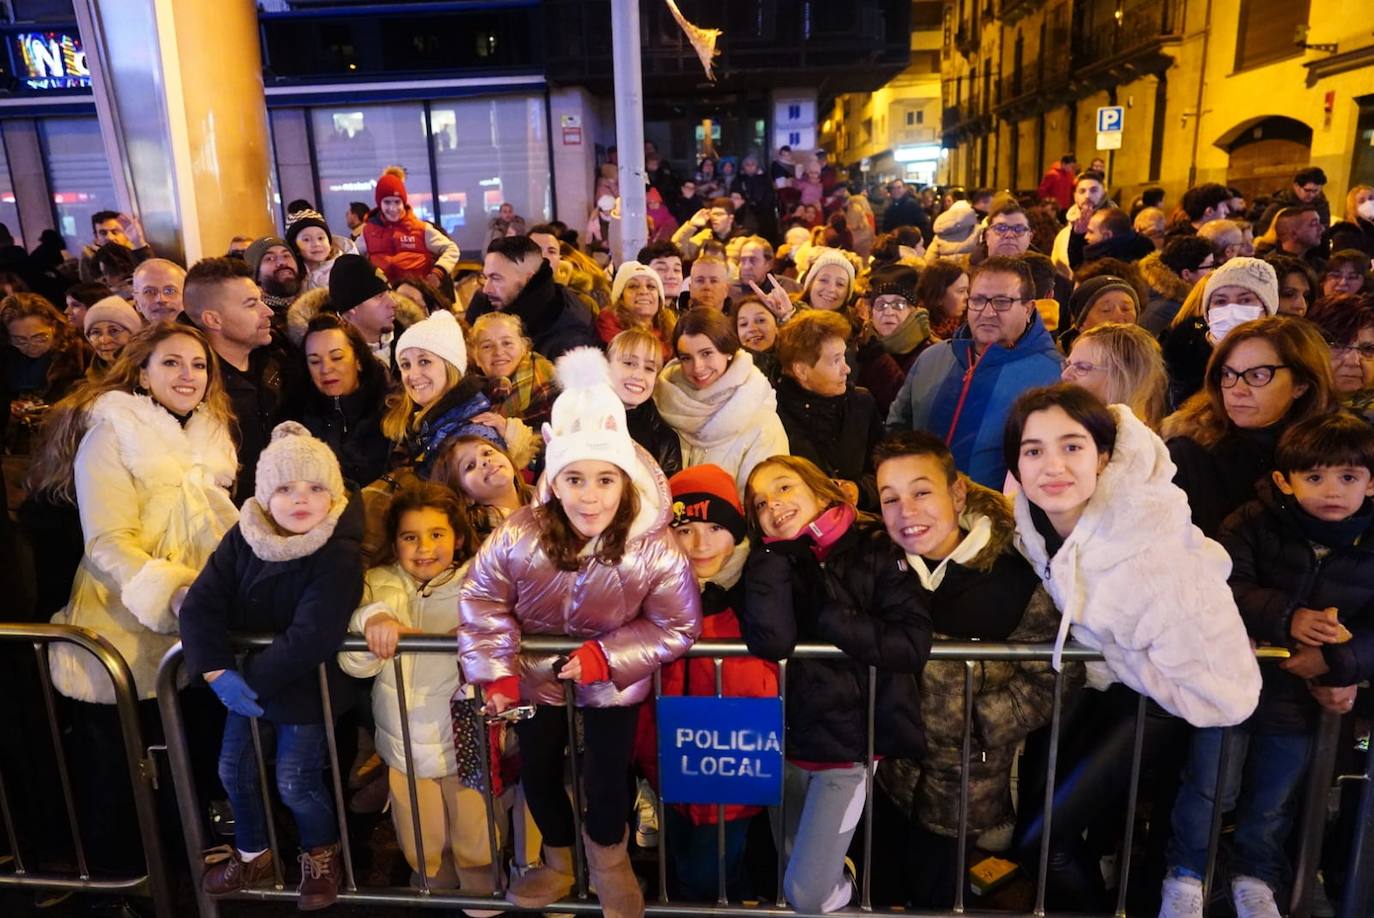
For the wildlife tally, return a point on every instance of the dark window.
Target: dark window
(926, 14)
(1267, 31)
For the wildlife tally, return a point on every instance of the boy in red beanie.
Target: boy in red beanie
(401, 244)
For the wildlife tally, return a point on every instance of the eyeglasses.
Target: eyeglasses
(1255, 377)
(37, 340)
(1009, 229)
(1081, 367)
(1344, 275)
(1366, 351)
(894, 304)
(169, 291)
(999, 303)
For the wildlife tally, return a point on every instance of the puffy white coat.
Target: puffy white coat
(732, 423)
(154, 503)
(431, 679)
(1139, 582)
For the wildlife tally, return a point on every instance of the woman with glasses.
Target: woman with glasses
(897, 330)
(1122, 365)
(1347, 324)
(42, 359)
(1238, 291)
(1263, 377)
(108, 325)
(1346, 272)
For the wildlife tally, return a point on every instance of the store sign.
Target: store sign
(52, 60)
(720, 750)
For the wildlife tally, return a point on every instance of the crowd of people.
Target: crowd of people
(808, 412)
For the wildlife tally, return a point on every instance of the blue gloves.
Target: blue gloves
(236, 694)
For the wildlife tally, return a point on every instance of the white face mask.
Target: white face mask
(1366, 209)
(1222, 320)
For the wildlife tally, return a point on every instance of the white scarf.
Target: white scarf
(979, 534)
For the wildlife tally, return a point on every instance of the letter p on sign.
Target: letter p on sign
(1110, 120)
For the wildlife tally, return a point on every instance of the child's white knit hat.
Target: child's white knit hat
(295, 455)
(588, 419)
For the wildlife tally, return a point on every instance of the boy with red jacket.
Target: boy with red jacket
(398, 242)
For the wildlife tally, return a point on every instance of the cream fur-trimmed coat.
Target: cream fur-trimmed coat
(1139, 582)
(154, 503)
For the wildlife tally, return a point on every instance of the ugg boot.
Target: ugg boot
(545, 884)
(617, 887)
(476, 881)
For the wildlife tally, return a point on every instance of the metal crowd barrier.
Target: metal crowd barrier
(1319, 779)
(137, 758)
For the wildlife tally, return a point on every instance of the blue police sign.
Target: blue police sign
(720, 750)
(1110, 118)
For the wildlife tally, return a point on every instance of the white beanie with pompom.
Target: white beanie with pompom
(588, 419)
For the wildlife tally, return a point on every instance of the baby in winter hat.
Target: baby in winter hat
(298, 497)
(1239, 291)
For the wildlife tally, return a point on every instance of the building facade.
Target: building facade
(1236, 91)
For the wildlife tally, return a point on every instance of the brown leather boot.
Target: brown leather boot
(617, 887)
(225, 872)
(545, 884)
(321, 873)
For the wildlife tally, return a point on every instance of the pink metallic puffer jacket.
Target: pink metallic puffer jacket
(644, 612)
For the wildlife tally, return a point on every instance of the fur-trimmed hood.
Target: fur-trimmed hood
(1162, 279)
(310, 303)
(995, 506)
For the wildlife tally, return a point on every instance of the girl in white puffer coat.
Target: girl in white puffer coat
(418, 593)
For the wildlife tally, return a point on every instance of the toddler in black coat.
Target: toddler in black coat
(292, 566)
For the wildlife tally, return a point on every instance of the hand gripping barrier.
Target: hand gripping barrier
(967, 653)
(137, 758)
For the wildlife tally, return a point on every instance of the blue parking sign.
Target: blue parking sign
(1110, 118)
(720, 750)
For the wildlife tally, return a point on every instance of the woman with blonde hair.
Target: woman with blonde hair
(1120, 364)
(637, 301)
(519, 382)
(1356, 231)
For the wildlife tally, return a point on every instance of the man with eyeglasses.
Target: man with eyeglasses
(714, 222)
(963, 389)
(1307, 189)
(1008, 233)
(157, 289)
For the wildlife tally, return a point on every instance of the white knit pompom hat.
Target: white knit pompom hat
(588, 419)
(439, 334)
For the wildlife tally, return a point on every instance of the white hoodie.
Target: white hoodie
(1139, 582)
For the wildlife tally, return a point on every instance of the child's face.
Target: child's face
(425, 543)
(299, 506)
(314, 244)
(633, 373)
(31, 336)
(783, 503)
(590, 492)
(1329, 492)
(483, 472)
(707, 545)
(920, 506)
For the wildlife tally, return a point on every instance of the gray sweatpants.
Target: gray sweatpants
(821, 810)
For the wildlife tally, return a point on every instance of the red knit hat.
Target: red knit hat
(707, 494)
(391, 185)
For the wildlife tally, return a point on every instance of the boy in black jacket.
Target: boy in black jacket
(292, 566)
(1303, 578)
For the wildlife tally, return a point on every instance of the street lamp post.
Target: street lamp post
(629, 126)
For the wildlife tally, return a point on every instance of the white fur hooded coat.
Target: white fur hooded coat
(154, 503)
(1139, 582)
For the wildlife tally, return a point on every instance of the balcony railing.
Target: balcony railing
(1120, 28)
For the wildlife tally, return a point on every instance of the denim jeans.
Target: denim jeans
(1264, 774)
(300, 763)
(692, 849)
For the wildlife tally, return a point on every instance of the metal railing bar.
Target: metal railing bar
(59, 753)
(488, 792)
(579, 852)
(1132, 797)
(1052, 764)
(1218, 808)
(327, 710)
(722, 898)
(411, 787)
(660, 805)
(871, 714)
(781, 840)
(9, 829)
(1360, 866)
(1320, 770)
(57, 881)
(273, 845)
(961, 854)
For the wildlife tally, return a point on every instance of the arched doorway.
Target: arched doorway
(1265, 152)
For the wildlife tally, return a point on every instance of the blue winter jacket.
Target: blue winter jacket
(967, 402)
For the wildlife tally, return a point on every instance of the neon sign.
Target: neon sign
(52, 60)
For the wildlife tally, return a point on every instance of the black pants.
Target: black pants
(609, 735)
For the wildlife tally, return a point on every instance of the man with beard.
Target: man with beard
(277, 272)
(516, 278)
(223, 301)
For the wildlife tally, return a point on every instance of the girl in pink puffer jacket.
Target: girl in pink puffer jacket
(592, 559)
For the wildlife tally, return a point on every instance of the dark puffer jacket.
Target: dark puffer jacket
(1186, 352)
(649, 430)
(996, 596)
(835, 432)
(1219, 478)
(1277, 569)
(862, 599)
(352, 426)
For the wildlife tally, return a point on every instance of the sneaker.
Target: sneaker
(1181, 897)
(1253, 898)
(321, 874)
(646, 816)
